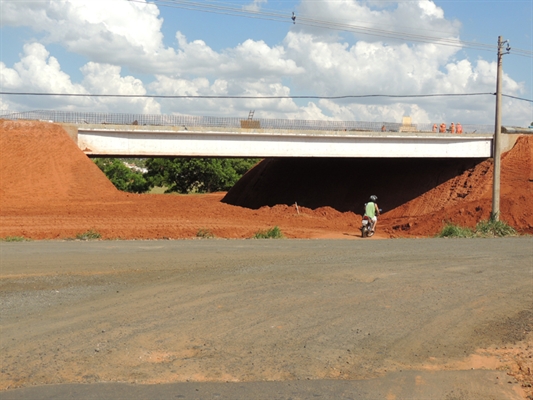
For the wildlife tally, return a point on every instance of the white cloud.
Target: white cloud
(365, 68)
(38, 71)
(255, 5)
(116, 32)
(253, 59)
(106, 79)
(372, 112)
(338, 69)
(267, 108)
(410, 17)
(181, 87)
(249, 60)
(116, 35)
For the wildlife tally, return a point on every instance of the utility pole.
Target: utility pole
(497, 133)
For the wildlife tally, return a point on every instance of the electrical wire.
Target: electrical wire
(243, 97)
(303, 20)
(351, 96)
(517, 98)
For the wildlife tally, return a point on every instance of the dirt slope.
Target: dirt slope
(50, 189)
(41, 164)
(467, 198)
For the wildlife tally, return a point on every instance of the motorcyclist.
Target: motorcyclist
(372, 211)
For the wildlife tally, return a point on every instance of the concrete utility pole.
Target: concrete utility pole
(497, 133)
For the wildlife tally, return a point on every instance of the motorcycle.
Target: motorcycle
(367, 226)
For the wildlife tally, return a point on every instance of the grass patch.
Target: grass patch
(485, 228)
(14, 239)
(493, 228)
(204, 233)
(89, 235)
(272, 233)
(158, 190)
(451, 230)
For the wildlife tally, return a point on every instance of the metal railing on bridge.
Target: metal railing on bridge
(80, 118)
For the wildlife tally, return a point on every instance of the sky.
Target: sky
(393, 53)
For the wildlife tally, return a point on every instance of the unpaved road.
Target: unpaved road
(393, 319)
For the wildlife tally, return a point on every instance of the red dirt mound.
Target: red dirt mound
(41, 164)
(467, 198)
(50, 189)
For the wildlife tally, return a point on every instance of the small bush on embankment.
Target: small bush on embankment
(456, 231)
(272, 233)
(89, 235)
(485, 228)
(204, 233)
(14, 239)
(493, 228)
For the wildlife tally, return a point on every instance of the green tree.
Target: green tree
(203, 175)
(121, 176)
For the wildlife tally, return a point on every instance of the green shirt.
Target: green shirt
(370, 209)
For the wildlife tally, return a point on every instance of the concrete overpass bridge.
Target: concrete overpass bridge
(125, 135)
(144, 141)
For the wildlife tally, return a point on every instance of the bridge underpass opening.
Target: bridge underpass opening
(346, 183)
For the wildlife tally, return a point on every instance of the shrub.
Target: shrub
(89, 235)
(14, 239)
(451, 230)
(123, 177)
(204, 233)
(272, 233)
(196, 175)
(492, 228)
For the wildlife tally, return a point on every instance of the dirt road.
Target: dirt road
(271, 310)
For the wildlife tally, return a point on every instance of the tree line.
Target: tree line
(179, 174)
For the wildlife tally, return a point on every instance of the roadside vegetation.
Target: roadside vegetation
(485, 228)
(89, 235)
(14, 239)
(456, 231)
(126, 178)
(204, 233)
(175, 175)
(272, 233)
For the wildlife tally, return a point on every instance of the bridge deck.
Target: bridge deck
(158, 141)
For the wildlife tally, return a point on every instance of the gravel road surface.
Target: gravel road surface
(262, 319)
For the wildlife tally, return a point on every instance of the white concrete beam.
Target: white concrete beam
(144, 141)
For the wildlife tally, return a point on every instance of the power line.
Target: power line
(517, 98)
(303, 20)
(349, 96)
(243, 97)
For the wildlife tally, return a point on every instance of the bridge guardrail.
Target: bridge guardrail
(80, 118)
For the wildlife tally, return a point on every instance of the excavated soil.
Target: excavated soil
(50, 190)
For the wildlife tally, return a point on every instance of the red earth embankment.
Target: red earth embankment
(467, 198)
(50, 189)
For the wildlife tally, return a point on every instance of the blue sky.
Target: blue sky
(126, 47)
